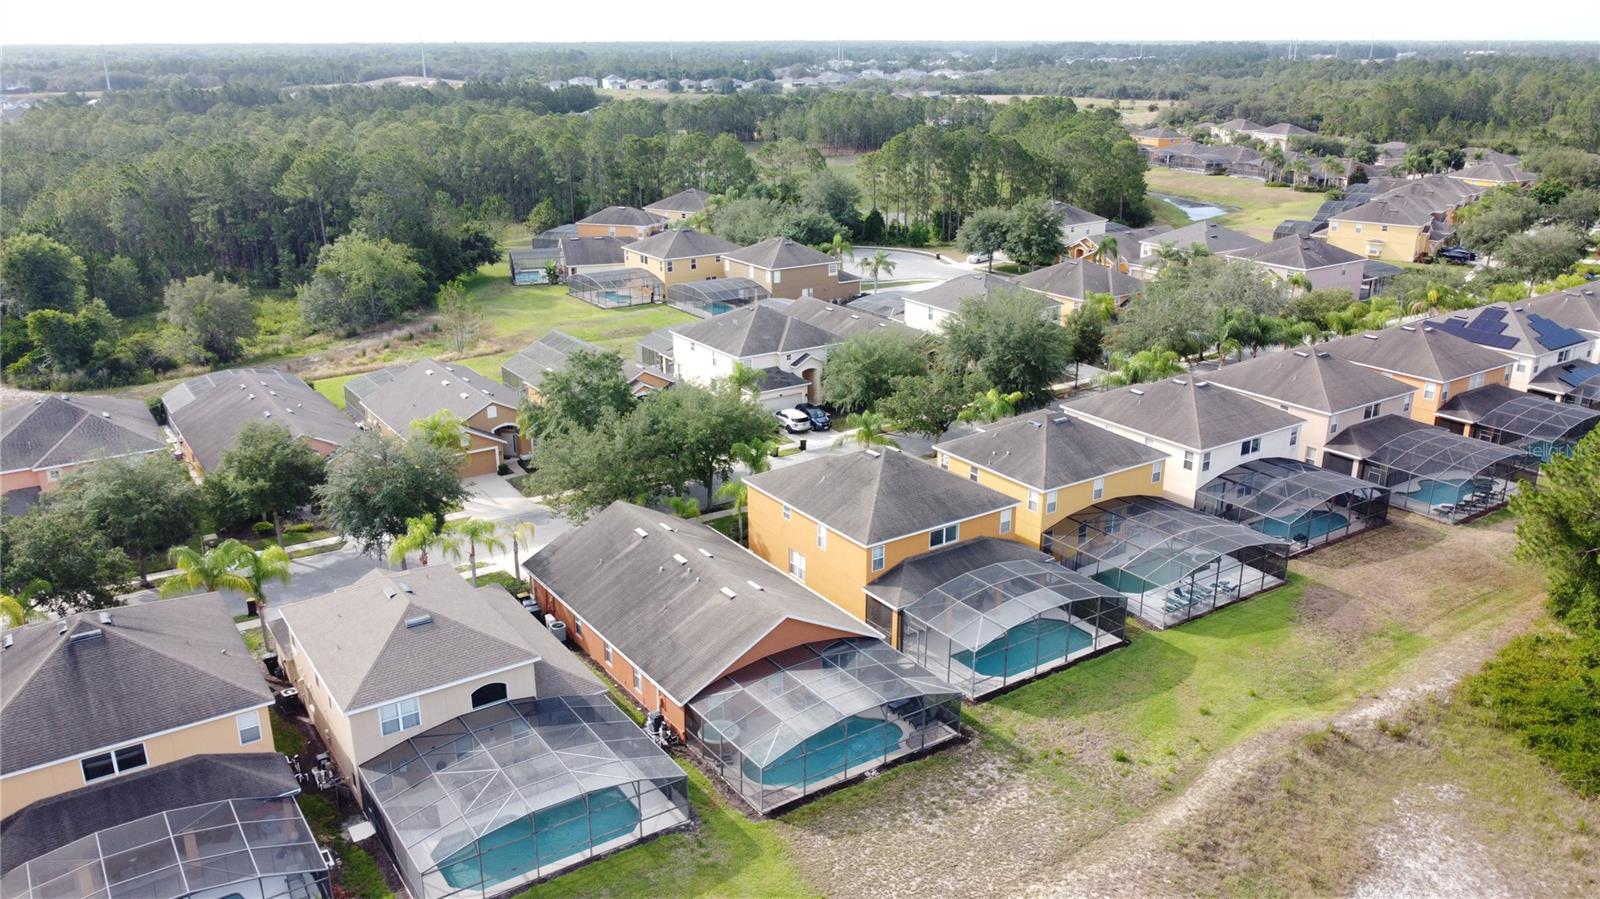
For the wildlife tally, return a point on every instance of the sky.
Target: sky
(557, 21)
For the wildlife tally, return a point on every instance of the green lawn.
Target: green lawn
(1257, 208)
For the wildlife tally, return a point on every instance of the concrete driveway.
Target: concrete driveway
(908, 265)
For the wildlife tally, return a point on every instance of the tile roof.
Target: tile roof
(67, 430)
(950, 294)
(779, 253)
(1188, 412)
(582, 251)
(155, 667)
(208, 411)
(358, 640)
(405, 393)
(1311, 380)
(681, 243)
(757, 329)
(1075, 279)
(1421, 352)
(657, 588)
(875, 495)
(1299, 252)
(622, 215)
(1049, 449)
(689, 200)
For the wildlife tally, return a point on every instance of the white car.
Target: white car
(793, 420)
(979, 258)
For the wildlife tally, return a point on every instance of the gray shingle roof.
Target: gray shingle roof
(1075, 279)
(536, 360)
(358, 641)
(890, 304)
(155, 667)
(779, 253)
(1576, 307)
(756, 329)
(66, 430)
(1285, 128)
(845, 321)
(950, 294)
(1072, 215)
(1423, 352)
(1185, 411)
(1240, 125)
(208, 411)
(1471, 405)
(622, 215)
(1211, 235)
(659, 600)
(1299, 252)
(1049, 449)
(875, 495)
(689, 200)
(1364, 438)
(1311, 380)
(1499, 172)
(51, 823)
(401, 395)
(1513, 329)
(582, 251)
(681, 243)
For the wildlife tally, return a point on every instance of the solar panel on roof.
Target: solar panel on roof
(1552, 335)
(1579, 374)
(1478, 335)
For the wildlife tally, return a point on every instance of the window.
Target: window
(1369, 412)
(249, 725)
(1407, 406)
(1428, 390)
(777, 277)
(1188, 461)
(399, 716)
(1033, 500)
(941, 536)
(116, 762)
(797, 565)
(669, 265)
(608, 653)
(944, 462)
(972, 473)
(1155, 472)
(1253, 445)
(877, 557)
(53, 474)
(488, 694)
(1294, 435)
(577, 627)
(1005, 521)
(785, 511)
(694, 263)
(822, 536)
(1099, 488)
(638, 680)
(1050, 501)
(1205, 462)
(1477, 381)
(1333, 425)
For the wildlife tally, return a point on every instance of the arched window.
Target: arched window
(488, 694)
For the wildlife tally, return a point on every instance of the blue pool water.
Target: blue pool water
(1313, 525)
(717, 308)
(833, 750)
(551, 835)
(1025, 647)
(1123, 581)
(1433, 493)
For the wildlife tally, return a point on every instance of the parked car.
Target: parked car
(979, 258)
(819, 417)
(793, 420)
(1457, 255)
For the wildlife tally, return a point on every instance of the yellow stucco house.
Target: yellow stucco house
(1435, 364)
(1158, 138)
(679, 255)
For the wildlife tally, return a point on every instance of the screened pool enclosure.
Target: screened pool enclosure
(816, 715)
(232, 849)
(1295, 501)
(1446, 476)
(616, 288)
(715, 296)
(1172, 563)
(1539, 427)
(518, 791)
(990, 613)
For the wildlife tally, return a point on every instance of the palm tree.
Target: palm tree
(871, 429)
(990, 406)
(1332, 167)
(1142, 367)
(839, 248)
(740, 494)
(18, 610)
(519, 532)
(1298, 281)
(878, 263)
(745, 379)
(684, 507)
(258, 569)
(422, 534)
(1105, 251)
(207, 571)
(475, 532)
(443, 429)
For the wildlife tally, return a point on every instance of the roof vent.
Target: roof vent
(444, 382)
(1036, 424)
(1136, 391)
(448, 368)
(89, 634)
(755, 585)
(706, 552)
(390, 591)
(1323, 354)
(105, 617)
(428, 372)
(664, 526)
(1408, 327)
(62, 631)
(728, 592)
(873, 453)
(251, 397)
(405, 587)
(241, 386)
(679, 558)
(419, 620)
(1303, 354)
(1061, 420)
(105, 414)
(266, 413)
(1370, 336)
(465, 395)
(641, 532)
(5, 641)
(1180, 382)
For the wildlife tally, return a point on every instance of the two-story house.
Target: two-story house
(1154, 138)
(790, 269)
(678, 255)
(206, 412)
(392, 399)
(1071, 282)
(622, 222)
(44, 442)
(1434, 363)
(1317, 264)
(681, 205)
(927, 310)
(1217, 240)
(1079, 227)
(787, 351)
(527, 370)
(1531, 341)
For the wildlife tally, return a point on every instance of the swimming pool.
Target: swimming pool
(833, 750)
(1026, 647)
(1123, 581)
(1433, 493)
(1313, 525)
(549, 836)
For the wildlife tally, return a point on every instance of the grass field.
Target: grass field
(1134, 112)
(1257, 208)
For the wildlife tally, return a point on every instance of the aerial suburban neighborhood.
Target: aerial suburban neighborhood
(636, 466)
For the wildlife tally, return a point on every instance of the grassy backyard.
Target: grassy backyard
(1256, 208)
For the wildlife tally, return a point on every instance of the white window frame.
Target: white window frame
(116, 763)
(1205, 461)
(1188, 461)
(797, 565)
(53, 474)
(1155, 472)
(944, 536)
(1294, 436)
(1005, 521)
(877, 557)
(786, 513)
(777, 277)
(608, 653)
(1051, 501)
(246, 723)
(1033, 500)
(577, 627)
(944, 462)
(1429, 390)
(822, 536)
(396, 713)
(1476, 382)
(492, 411)
(638, 680)
(972, 473)
(1099, 489)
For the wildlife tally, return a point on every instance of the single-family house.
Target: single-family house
(1532, 342)
(1577, 308)
(614, 83)
(1078, 227)
(695, 628)
(1317, 263)
(1430, 470)
(1408, 221)
(681, 205)
(1435, 364)
(624, 222)
(1542, 427)
(1233, 128)
(1155, 138)
(1071, 282)
(583, 81)
(206, 412)
(527, 370)
(927, 310)
(1494, 174)
(678, 255)
(392, 399)
(787, 268)
(587, 255)
(1204, 430)
(1217, 240)
(787, 351)
(48, 439)
(1281, 134)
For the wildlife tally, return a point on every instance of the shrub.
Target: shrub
(1122, 756)
(503, 470)
(1542, 687)
(301, 527)
(263, 528)
(361, 876)
(158, 410)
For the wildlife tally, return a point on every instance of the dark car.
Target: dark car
(820, 419)
(1457, 255)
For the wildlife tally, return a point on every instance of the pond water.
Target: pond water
(1195, 210)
